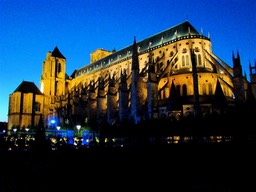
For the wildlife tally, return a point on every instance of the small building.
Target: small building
(25, 106)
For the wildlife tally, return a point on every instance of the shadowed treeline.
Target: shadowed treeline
(193, 167)
(238, 124)
(142, 165)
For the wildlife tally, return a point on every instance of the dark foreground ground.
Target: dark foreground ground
(193, 167)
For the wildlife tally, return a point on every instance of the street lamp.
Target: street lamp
(26, 129)
(78, 127)
(58, 128)
(14, 130)
(53, 123)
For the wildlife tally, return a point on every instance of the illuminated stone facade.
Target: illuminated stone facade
(25, 106)
(171, 74)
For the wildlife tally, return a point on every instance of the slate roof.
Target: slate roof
(184, 29)
(56, 53)
(28, 87)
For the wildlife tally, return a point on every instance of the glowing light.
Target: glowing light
(53, 121)
(78, 127)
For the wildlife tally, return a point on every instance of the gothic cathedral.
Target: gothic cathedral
(172, 74)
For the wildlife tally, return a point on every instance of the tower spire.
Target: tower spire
(135, 60)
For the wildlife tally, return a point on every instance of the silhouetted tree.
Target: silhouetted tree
(41, 143)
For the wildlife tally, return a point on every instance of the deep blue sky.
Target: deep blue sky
(31, 28)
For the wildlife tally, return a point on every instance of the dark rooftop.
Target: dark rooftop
(56, 53)
(184, 29)
(28, 87)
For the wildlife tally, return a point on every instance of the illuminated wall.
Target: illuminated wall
(172, 62)
(25, 107)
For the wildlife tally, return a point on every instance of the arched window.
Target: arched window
(204, 89)
(178, 90)
(59, 68)
(210, 89)
(187, 60)
(183, 60)
(184, 90)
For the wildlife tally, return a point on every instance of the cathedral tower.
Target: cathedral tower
(53, 80)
